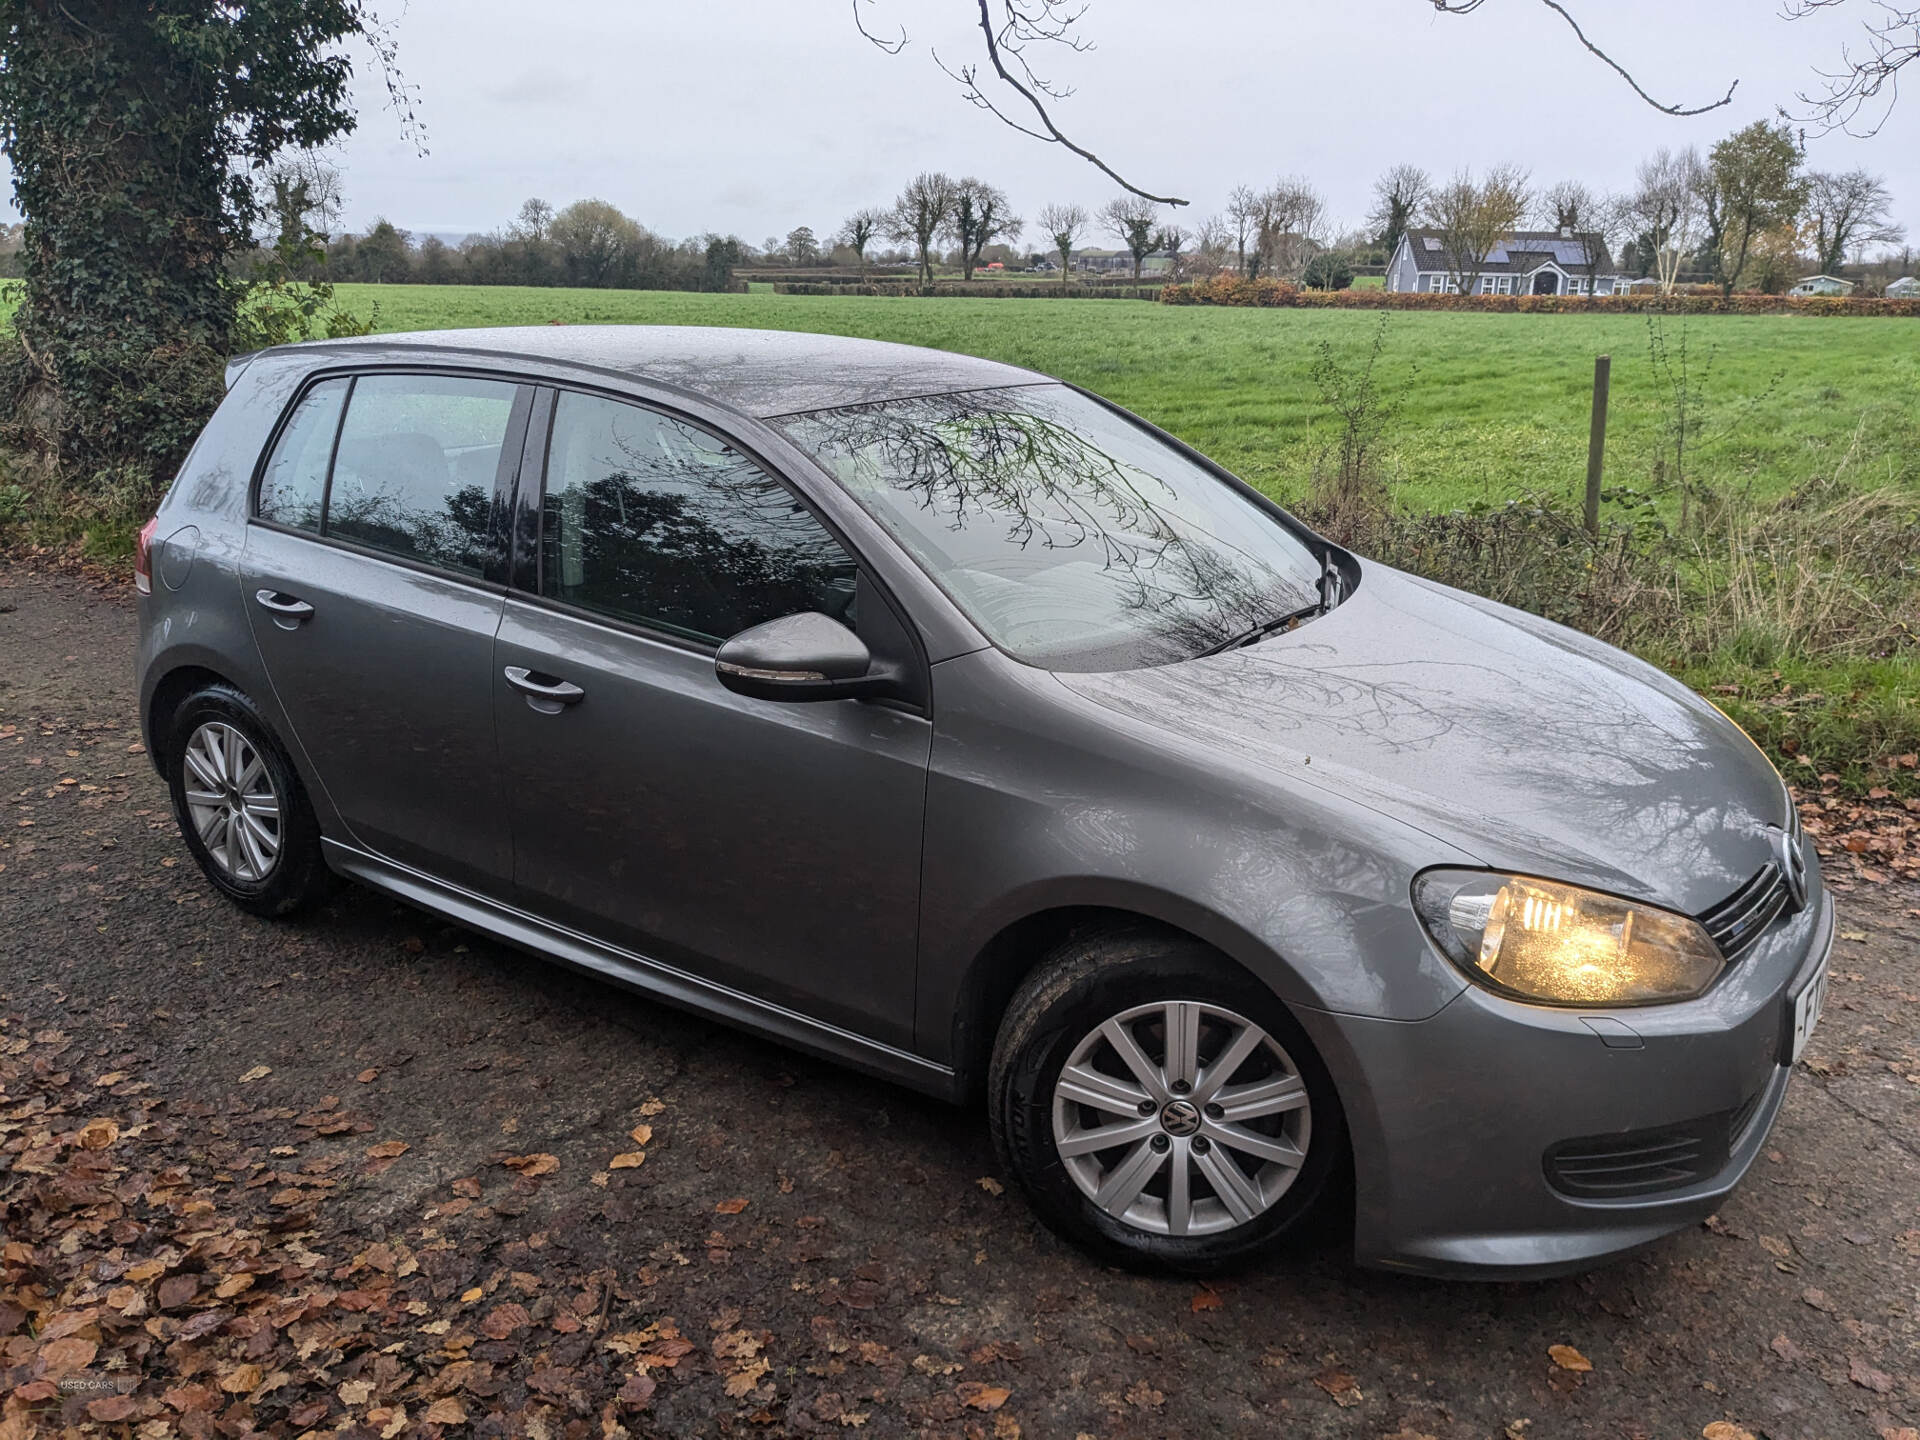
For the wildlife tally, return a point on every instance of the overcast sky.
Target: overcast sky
(754, 116)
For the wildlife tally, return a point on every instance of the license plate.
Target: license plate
(1806, 1010)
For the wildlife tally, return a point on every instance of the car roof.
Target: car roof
(756, 372)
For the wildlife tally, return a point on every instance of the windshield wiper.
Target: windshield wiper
(1264, 629)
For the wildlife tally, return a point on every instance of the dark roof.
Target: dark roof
(757, 372)
(1521, 252)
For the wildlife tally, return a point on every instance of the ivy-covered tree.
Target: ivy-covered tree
(136, 133)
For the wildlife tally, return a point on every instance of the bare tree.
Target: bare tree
(858, 230)
(922, 213)
(1472, 217)
(1063, 225)
(1664, 210)
(982, 214)
(1288, 227)
(1398, 197)
(1569, 206)
(1846, 212)
(1131, 219)
(1212, 246)
(533, 221)
(1243, 213)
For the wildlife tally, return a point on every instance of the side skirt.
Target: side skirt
(637, 972)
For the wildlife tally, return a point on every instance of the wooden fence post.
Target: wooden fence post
(1597, 440)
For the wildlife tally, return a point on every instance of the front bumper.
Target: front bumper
(1453, 1117)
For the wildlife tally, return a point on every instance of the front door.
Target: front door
(1546, 283)
(772, 848)
(365, 580)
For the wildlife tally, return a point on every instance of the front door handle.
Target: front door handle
(287, 610)
(546, 693)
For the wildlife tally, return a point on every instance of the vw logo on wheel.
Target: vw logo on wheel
(1182, 1117)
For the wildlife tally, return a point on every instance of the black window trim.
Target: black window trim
(493, 577)
(529, 509)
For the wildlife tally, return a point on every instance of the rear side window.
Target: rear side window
(414, 470)
(293, 491)
(648, 519)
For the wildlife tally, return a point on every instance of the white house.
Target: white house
(1823, 285)
(1527, 262)
(1904, 289)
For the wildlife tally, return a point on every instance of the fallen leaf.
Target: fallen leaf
(447, 1410)
(652, 1108)
(356, 1392)
(241, 1379)
(367, 1077)
(98, 1134)
(503, 1320)
(1725, 1430)
(1568, 1358)
(1204, 1298)
(730, 1207)
(467, 1297)
(641, 1134)
(538, 1164)
(1868, 1378)
(387, 1150)
(991, 1185)
(258, 1072)
(1344, 1389)
(233, 1285)
(976, 1396)
(630, 1161)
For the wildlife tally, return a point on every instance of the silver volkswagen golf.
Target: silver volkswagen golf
(944, 719)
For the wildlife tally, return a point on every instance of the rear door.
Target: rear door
(374, 576)
(773, 848)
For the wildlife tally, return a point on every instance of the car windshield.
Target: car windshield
(1073, 537)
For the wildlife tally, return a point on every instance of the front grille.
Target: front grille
(1743, 917)
(1644, 1162)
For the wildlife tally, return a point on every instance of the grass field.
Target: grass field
(1492, 405)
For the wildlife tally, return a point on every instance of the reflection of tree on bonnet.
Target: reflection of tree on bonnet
(1069, 533)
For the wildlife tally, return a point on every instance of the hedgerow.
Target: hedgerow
(1265, 292)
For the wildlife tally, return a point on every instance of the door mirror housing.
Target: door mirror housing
(802, 657)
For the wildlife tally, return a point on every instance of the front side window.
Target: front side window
(1073, 537)
(414, 471)
(293, 488)
(652, 520)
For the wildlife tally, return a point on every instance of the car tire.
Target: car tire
(268, 864)
(1062, 1013)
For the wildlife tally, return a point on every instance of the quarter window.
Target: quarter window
(414, 471)
(648, 519)
(293, 490)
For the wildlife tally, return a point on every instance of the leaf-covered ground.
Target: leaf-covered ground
(370, 1175)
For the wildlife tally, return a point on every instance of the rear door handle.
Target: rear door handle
(286, 609)
(539, 688)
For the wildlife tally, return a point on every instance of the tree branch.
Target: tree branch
(1464, 7)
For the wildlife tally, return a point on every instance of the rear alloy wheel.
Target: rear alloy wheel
(231, 799)
(1161, 1107)
(241, 807)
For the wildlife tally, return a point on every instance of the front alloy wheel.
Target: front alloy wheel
(1182, 1118)
(1160, 1106)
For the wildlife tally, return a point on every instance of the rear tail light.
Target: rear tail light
(143, 557)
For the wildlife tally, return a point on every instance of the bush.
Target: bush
(1328, 271)
(1229, 289)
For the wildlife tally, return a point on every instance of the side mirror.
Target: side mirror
(801, 657)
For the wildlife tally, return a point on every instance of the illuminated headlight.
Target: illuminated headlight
(1540, 940)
